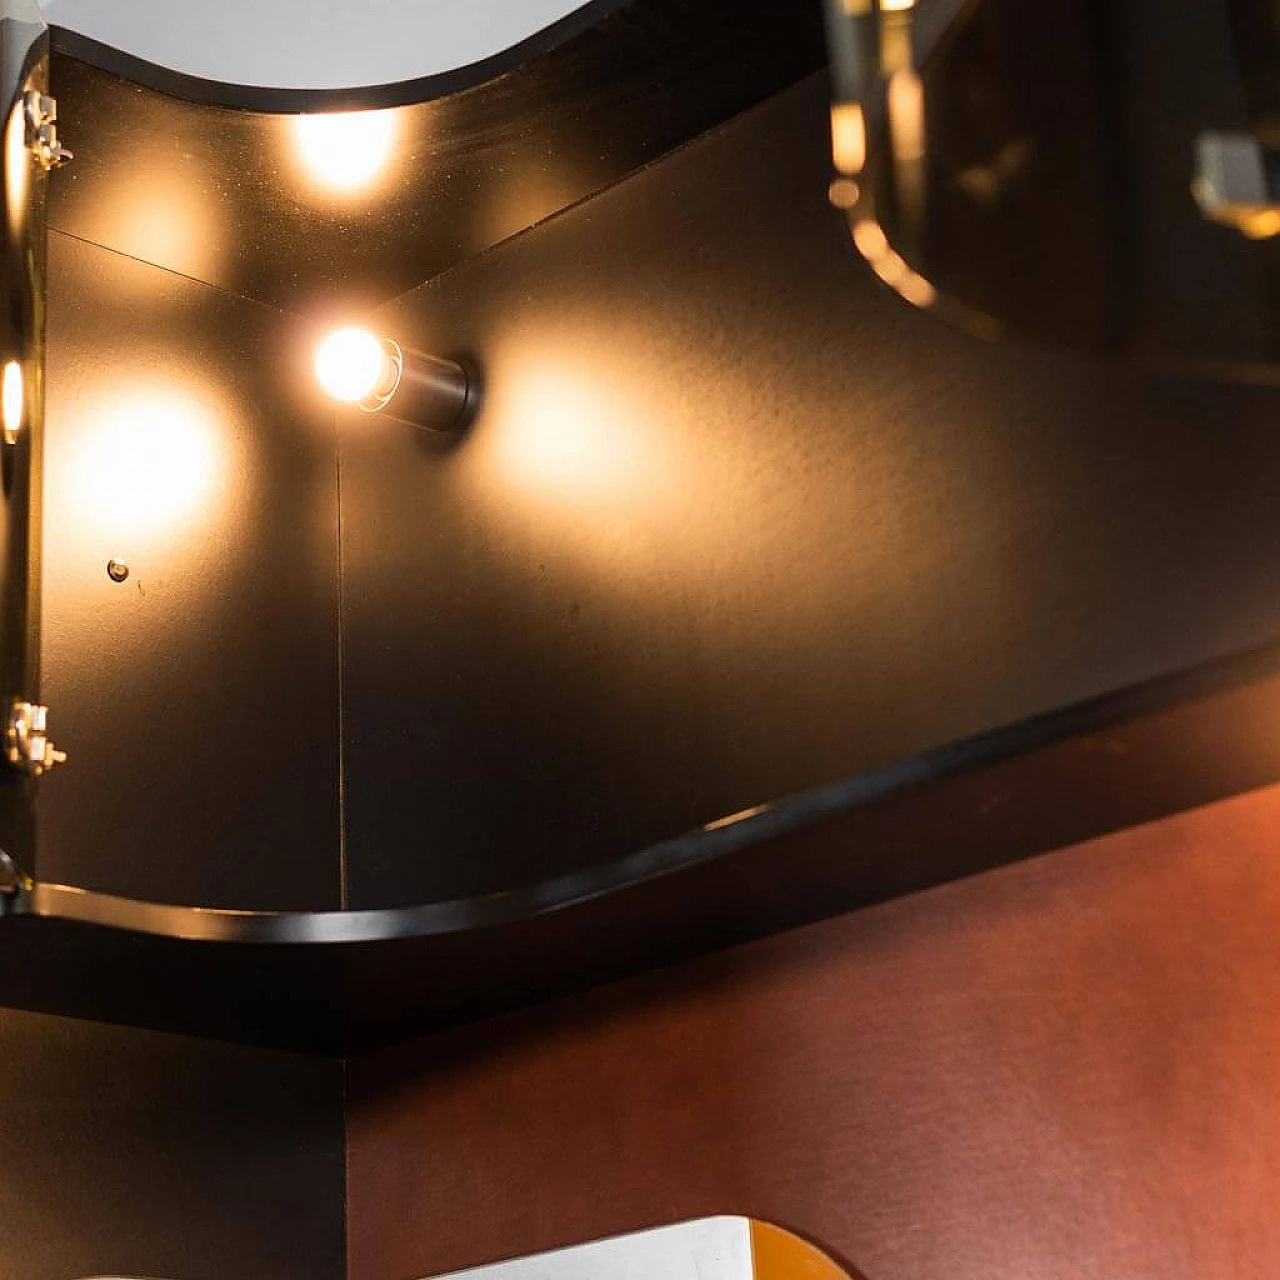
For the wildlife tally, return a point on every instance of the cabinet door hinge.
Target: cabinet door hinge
(26, 741)
(42, 130)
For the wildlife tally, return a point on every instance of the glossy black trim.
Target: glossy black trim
(217, 93)
(338, 982)
(711, 843)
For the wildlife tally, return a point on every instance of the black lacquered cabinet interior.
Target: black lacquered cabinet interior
(202, 691)
(750, 595)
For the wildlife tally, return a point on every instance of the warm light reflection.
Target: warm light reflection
(1255, 222)
(843, 193)
(896, 52)
(917, 290)
(17, 168)
(907, 136)
(144, 464)
(345, 151)
(848, 138)
(161, 215)
(896, 6)
(906, 116)
(351, 365)
(575, 444)
(1261, 224)
(11, 401)
(870, 239)
(890, 266)
(573, 448)
(568, 441)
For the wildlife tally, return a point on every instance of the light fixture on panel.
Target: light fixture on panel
(357, 367)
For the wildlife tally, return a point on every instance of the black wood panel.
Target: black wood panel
(132, 1153)
(198, 699)
(222, 196)
(734, 521)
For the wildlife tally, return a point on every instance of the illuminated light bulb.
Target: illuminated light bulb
(352, 365)
(896, 6)
(11, 401)
(356, 367)
(345, 151)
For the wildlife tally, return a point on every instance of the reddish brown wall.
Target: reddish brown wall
(1067, 1067)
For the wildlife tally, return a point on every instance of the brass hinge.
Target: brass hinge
(42, 131)
(26, 742)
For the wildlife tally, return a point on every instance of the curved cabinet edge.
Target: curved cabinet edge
(339, 983)
(1067, 775)
(249, 97)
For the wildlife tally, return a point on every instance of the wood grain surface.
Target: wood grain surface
(1065, 1067)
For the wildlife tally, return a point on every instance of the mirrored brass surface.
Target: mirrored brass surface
(1093, 174)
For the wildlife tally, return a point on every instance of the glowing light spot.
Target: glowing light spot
(870, 239)
(351, 364)
(146, 463)
(848, 137)
(843, 193)
(906, 115)
(162, 214)
(1261, 224)
(571, 438)
(890, 267)
(17, 169)
(895, 41)
(345, 152)
(917, 290)
(11, 398)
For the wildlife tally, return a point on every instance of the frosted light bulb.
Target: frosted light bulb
(352, 365)
(378, 374)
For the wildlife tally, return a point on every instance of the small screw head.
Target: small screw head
(117, 570)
